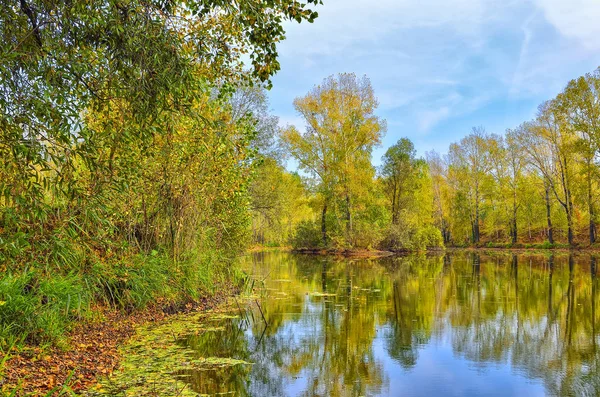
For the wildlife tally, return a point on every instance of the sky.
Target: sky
(441, 67)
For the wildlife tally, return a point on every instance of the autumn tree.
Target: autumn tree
(508, 165)
(440, 189)
(400, 165)
(335, 147)
(579, 105)
(471, 157)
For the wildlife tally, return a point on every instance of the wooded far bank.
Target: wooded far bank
(535, 185)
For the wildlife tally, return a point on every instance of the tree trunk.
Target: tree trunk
(591, 210)
(548, 215)
(348, 215)
(570, 228)
(394, 214)
(324, 224)
(514, 228)
(569, 211)
(476, 227)
(476, 223)
(514, 218)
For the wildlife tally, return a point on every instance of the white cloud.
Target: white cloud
(576, 19)
(429, 118)
(439, 63)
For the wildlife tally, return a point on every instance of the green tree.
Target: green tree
(341, 131)
(579, 104)
(399, 169)
(471, 157)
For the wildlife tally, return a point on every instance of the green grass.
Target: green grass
(39, 307)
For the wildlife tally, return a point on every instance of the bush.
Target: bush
(366, 235)
(407, 237)
(307, 236)
(38, 309)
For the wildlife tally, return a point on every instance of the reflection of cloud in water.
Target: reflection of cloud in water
(416, 325)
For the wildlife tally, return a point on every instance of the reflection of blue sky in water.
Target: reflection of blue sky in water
(438, 368)
(413, 326)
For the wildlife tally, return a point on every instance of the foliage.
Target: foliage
(404, 236)
(125, 161)
(307, 235)
(538, 182)
(341, 131)
(38, 309)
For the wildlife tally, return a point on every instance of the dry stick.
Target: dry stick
(261, 312)
(267, 276)
(259, 340)
(243, 315)
(182, 389)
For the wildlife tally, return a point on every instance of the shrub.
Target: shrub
(407, 237)
(366, 235)
(307, 235)
(38, 308)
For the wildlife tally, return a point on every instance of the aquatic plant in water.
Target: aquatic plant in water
(156, 361)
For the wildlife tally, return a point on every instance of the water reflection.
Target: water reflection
(457, 324)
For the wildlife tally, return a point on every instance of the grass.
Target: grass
(38, 307)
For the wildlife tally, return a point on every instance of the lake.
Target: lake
(455, 324)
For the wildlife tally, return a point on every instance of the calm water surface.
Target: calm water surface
(453, 325)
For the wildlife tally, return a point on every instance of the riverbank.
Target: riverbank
(346, 253)
(93, 350)
(521, 250)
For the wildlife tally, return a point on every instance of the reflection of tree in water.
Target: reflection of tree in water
(535, 313)
(338, 358)
(227, 343)
(325, 339)
(528, 312)
(410, 323)
(542, 330)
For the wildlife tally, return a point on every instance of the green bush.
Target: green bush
(407, 237)
(546, 245)
(39, 309)
(307, 236)
(430, 237)
(366, 235)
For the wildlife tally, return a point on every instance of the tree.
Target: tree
(549, 148)
(398, 170)
(341, 131)
(579, 104)
(471, 157)
(63, 60)
(251, 102)
(438, 172)
(508, 164)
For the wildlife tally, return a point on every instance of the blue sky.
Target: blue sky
(440, 67)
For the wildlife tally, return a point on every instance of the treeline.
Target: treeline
(536, 185)
(537, 182)
(125, 158)
(339, 200)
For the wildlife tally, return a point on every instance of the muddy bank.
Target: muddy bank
(345, 253)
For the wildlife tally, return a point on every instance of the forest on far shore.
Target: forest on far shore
(534, 185)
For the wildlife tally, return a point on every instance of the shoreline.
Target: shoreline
(93, 352)
(374, 254)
